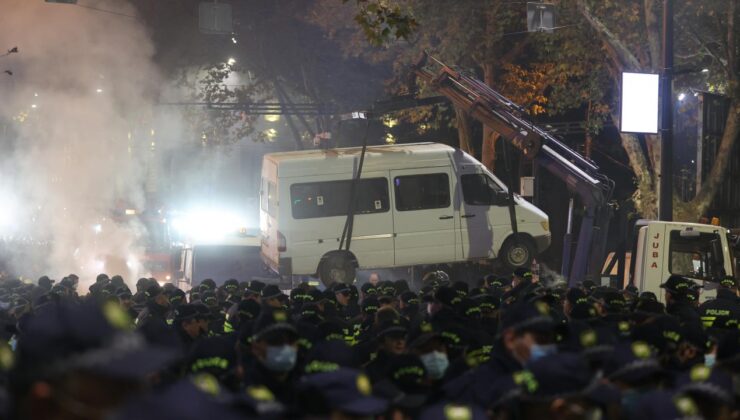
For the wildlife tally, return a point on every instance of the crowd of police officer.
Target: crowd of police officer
(506, 348)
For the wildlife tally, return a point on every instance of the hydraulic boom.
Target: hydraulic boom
(581, 175)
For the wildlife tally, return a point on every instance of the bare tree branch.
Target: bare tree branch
(627, 60)
(704, 46)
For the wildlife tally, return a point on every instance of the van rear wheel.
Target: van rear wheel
(517, 252)
(337, 268)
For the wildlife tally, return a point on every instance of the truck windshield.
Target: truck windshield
(691, 256)
(223, 262)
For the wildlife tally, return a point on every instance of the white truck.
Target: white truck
(703, 253)
(416, 204)
(236, 257)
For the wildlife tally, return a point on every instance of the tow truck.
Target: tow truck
(701, 252)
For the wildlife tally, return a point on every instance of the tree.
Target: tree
(212, 126)
(572, 71)
(706, 38)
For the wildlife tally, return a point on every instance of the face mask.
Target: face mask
(539, 351)
(436, 364)
(710, 359)
(280, 358)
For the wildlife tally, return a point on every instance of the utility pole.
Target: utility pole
(665, 203)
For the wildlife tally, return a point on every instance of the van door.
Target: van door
(423, 216)
(271, 240)
(484, 219)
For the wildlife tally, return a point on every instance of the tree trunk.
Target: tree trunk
(716, 176)
(490, 137)
(463, 131)
(653, 30)
(645, 197)
(624, 58)
(704, 197)
(488, 155)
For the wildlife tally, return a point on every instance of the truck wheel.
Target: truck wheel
(337, 268)
(516, 253)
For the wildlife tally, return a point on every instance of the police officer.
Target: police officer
(680, 300)
(80, 361)
(527, 334)
(274, 350)
(724, 308)
(188, 323)
(152, 321)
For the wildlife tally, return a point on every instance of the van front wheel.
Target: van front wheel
(517, 252)
(337, 268)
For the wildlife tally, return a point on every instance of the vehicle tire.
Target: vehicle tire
(517, 252)
(337, 268)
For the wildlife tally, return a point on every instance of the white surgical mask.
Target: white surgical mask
(538, 351)
(436, 363)
(280, 358)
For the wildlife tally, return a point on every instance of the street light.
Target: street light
(231, 61)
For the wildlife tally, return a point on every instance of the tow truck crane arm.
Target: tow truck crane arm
(580, 175)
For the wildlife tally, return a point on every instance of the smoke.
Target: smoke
(74, 132)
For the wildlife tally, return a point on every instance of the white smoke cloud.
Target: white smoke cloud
(73, 122)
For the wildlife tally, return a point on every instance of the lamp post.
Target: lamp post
(665, 202)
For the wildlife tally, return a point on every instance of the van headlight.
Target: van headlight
(545, 225)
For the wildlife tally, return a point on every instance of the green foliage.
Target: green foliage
(383, 23)
(212, 126)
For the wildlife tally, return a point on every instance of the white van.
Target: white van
(423, 203)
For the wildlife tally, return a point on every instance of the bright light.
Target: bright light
(6, 216)
(640, 96)
(204, 225)
(271, 133)
(705, 70)
(99, 90)
(98, 228)
(132, 262)
(233, 39)
(681, 96)
(272, 118)
(36, 95)
(390, 122)
(231, 61)
(168, 277)
(33, 106)
(390, 139)
(130, 212)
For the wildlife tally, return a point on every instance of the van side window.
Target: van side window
(479, 190)
(327, 199)
(421, 192)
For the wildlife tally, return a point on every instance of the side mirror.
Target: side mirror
(501, 198)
